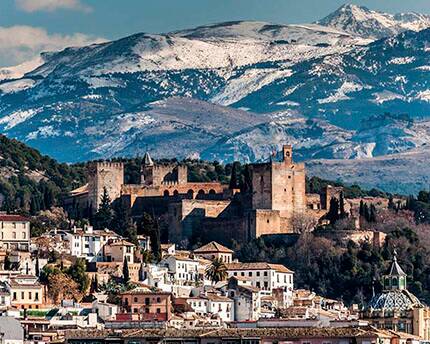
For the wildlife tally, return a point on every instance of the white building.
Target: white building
(156, 276)
(89, 243)
(14, 232)
(213, 304)
(264, 276)
(182, 270)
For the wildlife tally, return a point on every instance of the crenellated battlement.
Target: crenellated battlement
(110, 164)
(169, 183)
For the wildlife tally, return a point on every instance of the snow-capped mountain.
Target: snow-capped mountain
(227, 91)
(361, 21)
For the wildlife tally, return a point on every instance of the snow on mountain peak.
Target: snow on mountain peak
(360, 20)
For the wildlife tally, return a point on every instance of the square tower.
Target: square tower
(109, 175)
(277, 187)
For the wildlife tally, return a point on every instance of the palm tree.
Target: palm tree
(217, 271)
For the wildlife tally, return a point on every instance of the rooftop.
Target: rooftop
(122, 243)
(258, 266)
(326, 332)
(13, 218)
(213, 247)
(143, 291)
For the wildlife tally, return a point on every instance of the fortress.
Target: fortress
(275, 193)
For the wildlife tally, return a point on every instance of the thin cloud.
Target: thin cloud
(22, 43)
(51, 5)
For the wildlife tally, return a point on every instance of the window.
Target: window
(265, 273)
(29, 295)
(22, 295)
(158, 310)
(250, 274)
(14, 235)
(258, 273)
(36, 296)
(234, 273)
(147, 301)
(135, 299)
(14, 295)
(158, 299)
(242, 273)
(134, 310)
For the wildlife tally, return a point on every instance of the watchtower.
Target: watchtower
(109, 175)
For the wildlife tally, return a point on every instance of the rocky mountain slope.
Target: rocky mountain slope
(361, 21)
(235, 90)
(404, 173)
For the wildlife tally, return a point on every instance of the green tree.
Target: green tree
(372, 213)
(125, 272)
(103, 217)
(236, 176)
(78, 272)
(37, 268)
(121, 218)
(333, 213)
(149, 227)
(217, 271)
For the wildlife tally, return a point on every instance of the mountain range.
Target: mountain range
(353, 85)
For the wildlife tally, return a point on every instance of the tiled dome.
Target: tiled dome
(395, 300)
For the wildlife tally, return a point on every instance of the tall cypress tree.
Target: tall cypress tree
(366, 212)
(236, 176)
(103, 217)
(125, 272)
(333, 213)
(37, 268)
(372, 213)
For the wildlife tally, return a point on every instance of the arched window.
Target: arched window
(212, 192)
(190, 194)
(175, 193)
(166, 193)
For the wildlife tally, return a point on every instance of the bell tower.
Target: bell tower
(147, 172)
(395, 279)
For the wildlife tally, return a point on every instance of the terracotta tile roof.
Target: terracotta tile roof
(213, 247)
(13, 218)
(280, 268)
(144, 291)
(258, 266)
(217, 298)
(122, 243)
(80, 190)
(240, 333)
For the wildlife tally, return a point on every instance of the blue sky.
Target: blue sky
(30, 26)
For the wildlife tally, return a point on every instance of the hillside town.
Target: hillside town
(90, 282)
